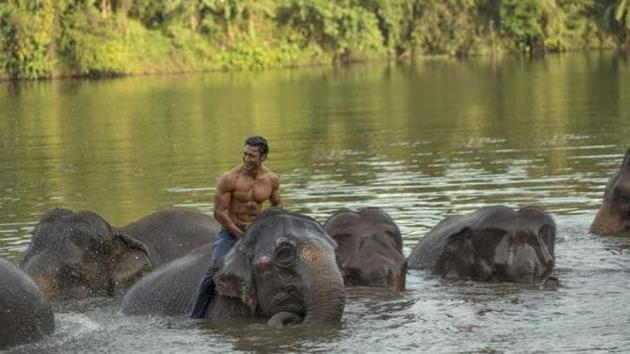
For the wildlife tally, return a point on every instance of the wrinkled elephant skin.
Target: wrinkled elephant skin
(493, 243)
(284, 269)
(369, 248)
(25, 315)
(613, 216)
(79, 255)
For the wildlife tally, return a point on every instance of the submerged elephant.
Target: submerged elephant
(79, 255)
(493, 243)
(25, 315)
(283, 269)
(614, 214)
(370, 248)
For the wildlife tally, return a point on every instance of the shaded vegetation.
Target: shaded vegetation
(46, 38)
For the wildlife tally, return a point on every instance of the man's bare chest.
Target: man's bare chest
(252, 190)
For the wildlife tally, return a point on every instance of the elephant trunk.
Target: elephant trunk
(401, 277)
(608, 220)
(43, 276)
(325, 296)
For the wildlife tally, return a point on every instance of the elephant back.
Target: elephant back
(426, 252)
(431, 247)
(171, 233)
(169, 290)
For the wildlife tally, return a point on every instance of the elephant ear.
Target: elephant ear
(233, 276)
(130, 260)
(457, 245)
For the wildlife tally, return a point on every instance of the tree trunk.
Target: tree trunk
(106, 8)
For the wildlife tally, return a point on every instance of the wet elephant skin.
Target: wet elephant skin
(284, 269)
(369, 248)
(25, 314)
(79, 255)
(493, 243)
(613, 217)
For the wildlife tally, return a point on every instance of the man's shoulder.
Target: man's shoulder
(269, 174)
(230, 175)
(234, 172)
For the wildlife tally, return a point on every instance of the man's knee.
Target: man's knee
(222, 246)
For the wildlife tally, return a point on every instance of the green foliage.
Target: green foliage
(447, 27)
(522, 20)
(340, 27)
(622, 13)
(43, 38)
(389, 15)
(28, 32)
(149, 12)
(91, 45)
(582, 24)
(618, 20)
(187, 50)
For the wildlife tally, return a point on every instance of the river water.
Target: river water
(422, 140)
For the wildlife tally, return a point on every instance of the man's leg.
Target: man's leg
(205, 291)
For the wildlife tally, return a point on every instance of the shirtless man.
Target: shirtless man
(238, 200)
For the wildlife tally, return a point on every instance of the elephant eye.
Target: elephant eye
(285, 254)
(71, 276)
(341, 237)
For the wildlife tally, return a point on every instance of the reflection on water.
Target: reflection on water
(422, 141)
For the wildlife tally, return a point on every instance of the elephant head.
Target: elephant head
(284, 268)
(614, 214)
(492, 243)
(78, 255)
(370, 248)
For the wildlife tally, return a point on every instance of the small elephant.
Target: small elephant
(494, 243)
(79, 255)
(370, 248)
(25, 314)
(283, 269)
(613, 216)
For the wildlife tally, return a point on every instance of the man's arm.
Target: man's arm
(222, 200)
(275, 199)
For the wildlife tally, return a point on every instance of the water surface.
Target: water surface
(423, 141)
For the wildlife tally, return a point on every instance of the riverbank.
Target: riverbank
(51, 39)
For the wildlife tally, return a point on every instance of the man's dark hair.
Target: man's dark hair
(259, 142)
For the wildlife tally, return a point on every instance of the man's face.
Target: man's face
(252, 159)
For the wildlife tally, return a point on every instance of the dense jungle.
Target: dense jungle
(55, 38)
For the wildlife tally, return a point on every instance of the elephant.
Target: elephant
(25, 314)
(613, 216)
(170, 289)
(493, 243)
(79, 255)
(370, 248)
(284, 269)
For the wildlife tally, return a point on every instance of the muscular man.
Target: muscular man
(238, 200)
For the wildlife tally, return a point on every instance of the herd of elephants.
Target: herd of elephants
(288, 268)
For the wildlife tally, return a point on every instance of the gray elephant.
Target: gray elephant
(370, 248)
(25, 315)
(79, 255)
(284, 269)
(613, 216)
(493, 243)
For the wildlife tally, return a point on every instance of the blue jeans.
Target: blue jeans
(205, 291)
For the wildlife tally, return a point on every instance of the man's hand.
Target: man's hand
(237, 232)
